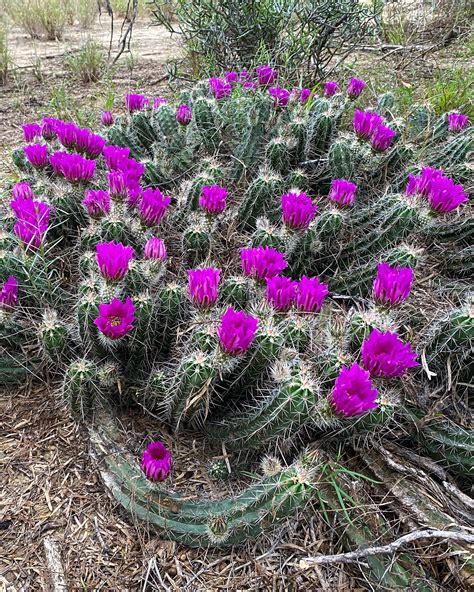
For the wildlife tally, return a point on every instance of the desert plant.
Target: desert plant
(227, 303)
(5, 58)
(88, 62)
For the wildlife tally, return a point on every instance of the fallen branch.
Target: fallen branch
(390, 548)
(55, 568)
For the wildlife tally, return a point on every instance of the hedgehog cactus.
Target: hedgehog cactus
(233, 269)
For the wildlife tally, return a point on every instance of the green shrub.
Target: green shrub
(88, 62)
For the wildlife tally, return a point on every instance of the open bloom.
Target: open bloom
(392, 285)
(106, 118)
(266, 75)
(31, 131)
(262, 262)
(73, 167)
(383, 138)
(115, 157)
(343, 192)
(248, 85)
(159, 101)
(116, 319)
(305, 93)
(37, 155)
(310, 294)
(9, 293)
(353, 392)
(219, 88)
(280, 96)
(113, 259)
(365, 123)
(48, 127)
(236, 331)
(232, 77)
(155, 248)
(156, 461)
(297, 210)
(385, 354)
(32, 221)
(135, 102)
(355, 88)
(457, 122)
(152, 206)
(203, 284)
(97, 203)
(213, 199)
(421, 184)
(183, 115)
(281, 292)
(22, 191)
(444, 195)
(331, 88)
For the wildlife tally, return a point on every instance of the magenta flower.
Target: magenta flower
(67, 133)
(184, 115)
(244, 75)
(134, 193)
(384, 354)
(383, 138)
(159, 101)
(203, 284)
(392, 285)
(106, 118)
(113, 259)
(93, 145)
(37, 155)
(365, 123)
(213, 199)
(32, 221)
(343, 192)
(232, 77)
(249, 85)
(118, 184)
(31, 131)
(116, 319)
(133, 168)
(48, 128)
(266, 75)
(353, 392)
(219, 88)
(115, 157)
(310, 294)
(156, 462)
(305, 93)
(445, 196)
(152, 206)
(297, 210)
(355, 88)
(262, 262)
(281, 292)
(236, 331)
(421, 184)
(22, 191)
(280, 96)
(9, 293)
(97, 203)
(73, 167)
(135, 102)
(331, 88)
(457, 122)
(155, 248)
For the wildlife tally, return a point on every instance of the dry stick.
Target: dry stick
(390, 548)
(55, 568)
(127, 36)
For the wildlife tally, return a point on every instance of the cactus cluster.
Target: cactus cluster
(219, 265)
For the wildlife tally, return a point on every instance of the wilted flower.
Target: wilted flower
(384, 354)
(262, 262)
(159, 101)
(106, 118)
(219, 88)
(22, 191)
(97, 203)
(383, 138)
(32, 221)
(113, 259)
(9, 293)
(343, 192)
(444, 195)
(392, 285)
(355, 88)
(353, 392)
(310, 294)
(297, 210)
(331, 88)
(421, 184)
(31, 131)
(37, 155)
(365, 123)
(156, 461)
(72, 166)
(281, 292)
(135, 102)
(232, 77)
(155, 248)
(183, 115)
(280, 96)
(116, 319)
(266, 75)
(236, 331)
(213, 199)
(152, 206)
(457, 122)
(203, 284)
